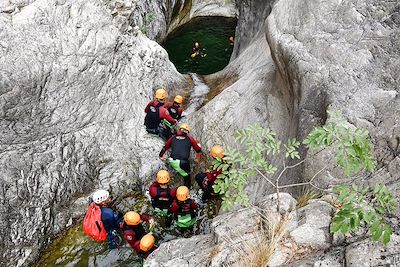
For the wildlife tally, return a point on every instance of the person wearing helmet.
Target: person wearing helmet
(132, 226)
(162, 195)
(153, 119)
(206, 179)
(145, 246)
(111, 219)
(170, 114)
(180, 145)
(184, 208)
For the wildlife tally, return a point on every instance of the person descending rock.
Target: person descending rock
(133, 226)
(145, 246)
(162, 196)
(153, 119)
(206, 180)
(111, 219)
(170, 114)
(180, 145)
(184, 208)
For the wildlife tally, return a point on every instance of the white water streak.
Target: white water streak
(199, 91)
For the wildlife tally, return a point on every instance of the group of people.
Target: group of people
(169, 203)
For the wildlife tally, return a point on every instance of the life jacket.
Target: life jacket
(180, 147)
(138, 229)
(163, 199)
(152, 119)
(186, 215)
(93, 225)
(174, 112)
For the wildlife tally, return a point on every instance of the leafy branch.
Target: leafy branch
(352, 152)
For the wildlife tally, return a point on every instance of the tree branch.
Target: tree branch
(265, 177)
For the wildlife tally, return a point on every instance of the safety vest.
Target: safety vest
(180, 147)
(163, 199)
(152, 119)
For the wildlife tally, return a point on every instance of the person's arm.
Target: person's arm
(165, 115)
(118, 218)
(174, 207)
(180, 110)
(144, 218)
(194, 205)
(196, 145)
(130, 237)
(153, 190)
(136, 247)
(173, 193)
(166, 147)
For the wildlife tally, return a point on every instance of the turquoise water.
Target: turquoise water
(212, 34)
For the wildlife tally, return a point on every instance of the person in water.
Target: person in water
(196, 48)
(184, 208)
(111, 219)
(145, 246)
(181, 144)
(231, 40)
(133, 226)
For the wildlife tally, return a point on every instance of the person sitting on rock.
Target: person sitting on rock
(145, 246)
(132, 226)
(180, 145)
(170, 114)
(111, 219)
(162, 195)
(184, 208)
(206, 180)
(153, 119)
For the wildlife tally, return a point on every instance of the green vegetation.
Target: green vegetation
(352, 152)
(150, 17)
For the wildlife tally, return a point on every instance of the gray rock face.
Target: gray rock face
(194, 251)
(341, 59)
(73, 89)
(237, 235)
(313, 225)
(365, 253)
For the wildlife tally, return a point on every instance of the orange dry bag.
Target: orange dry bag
(92, 224)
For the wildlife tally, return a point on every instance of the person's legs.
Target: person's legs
(185, 165)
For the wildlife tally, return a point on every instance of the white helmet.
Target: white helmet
(100, 195)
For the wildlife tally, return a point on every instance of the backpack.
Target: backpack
(92, 224)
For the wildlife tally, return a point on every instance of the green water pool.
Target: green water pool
(212, 34)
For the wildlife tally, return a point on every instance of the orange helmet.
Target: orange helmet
(178, 99)
(182, 193)
(132, 218)
(184, 126)
(147, 242)
(217, 152)
(161, 94)
(163, 177)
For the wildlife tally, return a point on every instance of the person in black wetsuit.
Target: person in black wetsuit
(153, 119)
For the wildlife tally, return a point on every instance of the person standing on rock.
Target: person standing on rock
(132, 226)
(111, 219)
(153, 119)
(145, 246)
(170, 114)
(184, 208)
(206, 179)
(162, 196)
(180, 145)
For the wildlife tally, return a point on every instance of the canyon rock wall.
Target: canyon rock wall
(73, 88)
